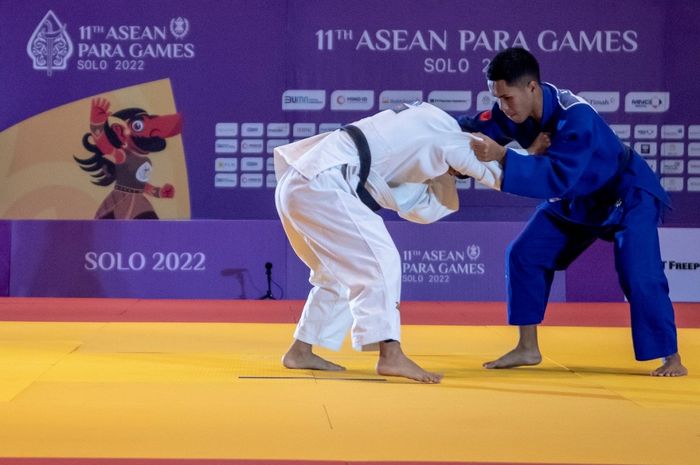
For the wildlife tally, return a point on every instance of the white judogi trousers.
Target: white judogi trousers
(355, 266)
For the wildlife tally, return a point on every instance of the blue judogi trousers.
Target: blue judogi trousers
(550, 243)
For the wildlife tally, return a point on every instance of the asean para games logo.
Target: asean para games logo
(473, 252)
(50, 46)
(179, 27)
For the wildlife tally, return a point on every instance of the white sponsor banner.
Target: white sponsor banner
(391, 98)
(226, 164)
(485, 100)
(681, 262)
(252, 130)
(278, 130)
(603, 102)
(623, 131)
(694, 131)
(672, 131)
(226, 146)
(647, 102)
(328, 127)
(304, 129)
(252, 146)
(646, 131)
(352, 100)
(222, 180)
(226, 129)
(672, 183)
(303, 100)
(646, 149)
(451, 100)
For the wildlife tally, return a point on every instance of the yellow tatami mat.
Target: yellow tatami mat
(217, 390)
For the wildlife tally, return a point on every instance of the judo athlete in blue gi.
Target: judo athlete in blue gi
(596, 187)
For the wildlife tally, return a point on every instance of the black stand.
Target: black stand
(268, 272)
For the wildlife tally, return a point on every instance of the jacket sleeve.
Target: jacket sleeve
(461, 157)
(557, 171)
(429, 202)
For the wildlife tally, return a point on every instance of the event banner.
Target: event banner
(213, 259)
(171, 108)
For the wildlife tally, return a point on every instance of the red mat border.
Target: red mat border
(602, 314)
(137, 461)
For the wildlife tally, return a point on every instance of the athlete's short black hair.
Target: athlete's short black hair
(514, 65)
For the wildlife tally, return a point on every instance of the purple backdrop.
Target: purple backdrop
(149, 259)
(247, 54)
(245, 75)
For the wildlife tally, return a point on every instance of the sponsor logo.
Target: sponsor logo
(647, 102)
(278, 130)
(304, 129)
(672, 184)
(694, 167)
(293, 100)
(226, 146)
(328, 127)
(226, 129)
(274, 143)
(251, 164)
(646, 149)
(464, 183)
(694, 149)
(50, 46)
(646, 131)
(603, 102)
(451, 100)
(485, 100)
(271, 181)
(226, 164)
(672, 149)
(693, 184)
(694, 131)
(683, 266)
(179, 27)
(224, 180)
(672, 167)
(252, 180)
(672, 131)
(352, 100)
(623, 131)
(252, 130)
(391, 98)
(252, 146)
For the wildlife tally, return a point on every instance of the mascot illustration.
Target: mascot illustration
(120, 157)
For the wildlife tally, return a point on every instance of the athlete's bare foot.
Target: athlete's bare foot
(526, 353)
(300, 356)
(393, 362)
(672, 367)
(516, 358)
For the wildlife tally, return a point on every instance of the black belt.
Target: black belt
(365, 163)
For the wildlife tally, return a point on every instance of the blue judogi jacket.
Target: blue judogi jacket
(586, 172)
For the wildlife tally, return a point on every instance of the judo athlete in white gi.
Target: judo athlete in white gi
(355, 266)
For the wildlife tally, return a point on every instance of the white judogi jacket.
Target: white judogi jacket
(412, 148)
